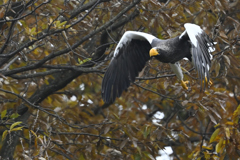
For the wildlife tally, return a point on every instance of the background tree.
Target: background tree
(53, 55)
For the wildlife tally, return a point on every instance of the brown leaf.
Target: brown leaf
(217, 68)
(106, 129)
(123, 143)
(223, 35)
(212, 118)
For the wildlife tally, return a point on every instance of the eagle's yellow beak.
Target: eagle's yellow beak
(153, 52)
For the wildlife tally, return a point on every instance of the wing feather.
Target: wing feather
(202, 45)
(130, 57)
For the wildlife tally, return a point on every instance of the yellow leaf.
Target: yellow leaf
(116, 116)
(236, 113)
(227, 132)
(230, 123)
(207, 155)
(217, 125)
(63, 23)
(196, 154)
(214, 135)
(84, 61)
(50, 20)
(17, 129)
(34, 133)
(4, 134)
(139, 150)
(57, 23)
(81, 157)
(35, 142)
(147, 81)
(3, 94)
(14, 124)
(67, 26)
(219, 146)
(33, 31)
(208, 148)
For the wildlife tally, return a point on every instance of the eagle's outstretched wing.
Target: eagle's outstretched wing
(130, 57)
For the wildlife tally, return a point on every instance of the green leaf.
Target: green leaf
(147, 130)
(4, 134)
(214, 135)
(137, 157)
(33, 31)
(14, 124)
(3, 114)
(84, 61)
(63, 23)
(14, 115)
(139, 150)
(81, 157)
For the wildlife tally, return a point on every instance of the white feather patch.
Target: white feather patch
(182, 34)
(193, 30)
(129, 35)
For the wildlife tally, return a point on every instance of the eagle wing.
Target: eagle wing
(202, 45)
(130, 57)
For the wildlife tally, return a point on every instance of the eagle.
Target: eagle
(135, 48)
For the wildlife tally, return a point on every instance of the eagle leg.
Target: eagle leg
(209, 83)
(184, 84)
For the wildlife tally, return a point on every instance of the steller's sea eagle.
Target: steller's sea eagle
(136, 48)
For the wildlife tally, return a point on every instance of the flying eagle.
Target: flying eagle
(136, 48)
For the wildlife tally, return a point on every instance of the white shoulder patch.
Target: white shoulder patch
(129, 35)
(193, 30)
(182, 34)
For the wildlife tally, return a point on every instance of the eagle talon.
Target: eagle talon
(183, 83)
(210, 83)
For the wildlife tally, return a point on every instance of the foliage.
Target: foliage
(53, 55)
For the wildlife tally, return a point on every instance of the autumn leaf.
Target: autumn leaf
(14, 115)
(214, 135)
(219, 145)
(84, 61)
(227, 132)
(4, 134)
(16, 129)
(3, 114)
(236, 115)
(14, 125)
